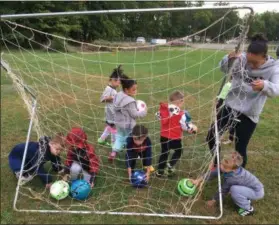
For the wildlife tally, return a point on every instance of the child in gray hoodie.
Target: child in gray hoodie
(238, 182)
(125, 113)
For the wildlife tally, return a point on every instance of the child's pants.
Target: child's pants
(241, 195)
(109, 130)
(76, 169)
(166, 146)
(120, 139)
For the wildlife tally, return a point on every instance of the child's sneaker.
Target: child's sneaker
(244, 212)
(112, 157)
(24, 178)
(170, 171)
(104, 142)
(101, 141)
(160, 174)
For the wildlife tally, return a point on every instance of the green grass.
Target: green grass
(68, 88)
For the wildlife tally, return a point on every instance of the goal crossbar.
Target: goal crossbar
(114, 11)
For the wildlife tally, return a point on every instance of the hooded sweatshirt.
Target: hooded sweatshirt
(241, 97)
(81, 152)
(126, 112)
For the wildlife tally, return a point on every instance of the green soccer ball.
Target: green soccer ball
(186, 187)
(59, 190)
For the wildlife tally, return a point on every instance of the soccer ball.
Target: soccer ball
(173, 109)
(141, 106)
(80, 189)
(158, 115)
(186, 123)
(138, 179)
(186, 187)
(59, 190)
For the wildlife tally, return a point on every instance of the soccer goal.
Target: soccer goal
(60, 81)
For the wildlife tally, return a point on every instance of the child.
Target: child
(139, 145)
(239, 183)
(38, 153)
(220, 103)
(81, 157)
(107, 97)
(171, 133)
(126, 112)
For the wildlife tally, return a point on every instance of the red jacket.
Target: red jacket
(79, 150)
(170, 126)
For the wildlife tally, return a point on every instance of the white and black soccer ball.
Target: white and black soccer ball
(158, 115)
(186, 123)
(173, 109)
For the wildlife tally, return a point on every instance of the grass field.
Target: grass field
(68, 87)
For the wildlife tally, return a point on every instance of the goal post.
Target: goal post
(64, 98)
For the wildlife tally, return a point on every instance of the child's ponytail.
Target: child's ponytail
(116, 73)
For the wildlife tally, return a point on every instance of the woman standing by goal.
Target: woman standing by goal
(254, 78)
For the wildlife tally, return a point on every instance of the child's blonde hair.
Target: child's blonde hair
(232, 160)
(176, 96)
(58, 139)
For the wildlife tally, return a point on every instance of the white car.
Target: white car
(140, 40)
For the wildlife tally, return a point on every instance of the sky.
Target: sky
(258, 6)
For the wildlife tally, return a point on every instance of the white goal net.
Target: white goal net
(67, 78)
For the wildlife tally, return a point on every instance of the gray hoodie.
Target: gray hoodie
(241, 96)
(241, 177)
(126, 112)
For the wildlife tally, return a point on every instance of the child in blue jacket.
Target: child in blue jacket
(38, 153)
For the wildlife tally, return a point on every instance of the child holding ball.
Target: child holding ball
(107, 97)
(238, 182)
(171, 132)
(38, 153)
(126, 113)
(81, 157)
(139, 145)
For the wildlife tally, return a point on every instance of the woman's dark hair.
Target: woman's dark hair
(116, 73)
(126, 82)
(139, 131)
(258, 45)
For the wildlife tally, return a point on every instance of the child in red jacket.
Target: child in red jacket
(171, 132)
(81, 157)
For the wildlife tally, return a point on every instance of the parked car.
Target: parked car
(140, 40)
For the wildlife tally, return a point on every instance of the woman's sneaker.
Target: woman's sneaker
(227, 142)
(244, 212)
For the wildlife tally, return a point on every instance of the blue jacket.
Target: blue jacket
(36, 157)
(134, 151)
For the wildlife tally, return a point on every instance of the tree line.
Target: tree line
(117, 27)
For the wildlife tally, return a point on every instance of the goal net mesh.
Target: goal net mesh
(68, 77)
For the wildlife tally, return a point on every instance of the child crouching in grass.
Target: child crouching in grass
(139, 145)
(81, 157)
(38, 153)
(238, 182)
